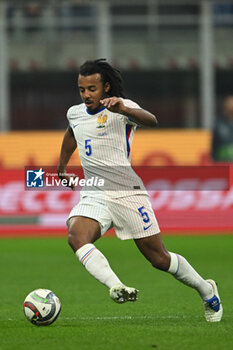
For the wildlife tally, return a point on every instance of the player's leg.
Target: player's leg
(154, 250)
(83, 232)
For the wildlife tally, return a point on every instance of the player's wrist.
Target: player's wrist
(61, 170)
(125, 111)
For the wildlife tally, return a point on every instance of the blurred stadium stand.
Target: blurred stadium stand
(148, 34)
(156, 44)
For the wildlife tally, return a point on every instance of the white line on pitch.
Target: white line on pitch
(122, 318)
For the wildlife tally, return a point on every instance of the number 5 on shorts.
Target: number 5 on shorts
(144, 215)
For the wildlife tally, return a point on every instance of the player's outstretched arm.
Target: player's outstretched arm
(67, 149)
(138, 115)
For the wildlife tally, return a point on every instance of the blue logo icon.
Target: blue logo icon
(35, 178)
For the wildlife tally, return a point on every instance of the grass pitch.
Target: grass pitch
(167, 315)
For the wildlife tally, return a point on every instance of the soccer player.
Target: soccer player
(102, 127)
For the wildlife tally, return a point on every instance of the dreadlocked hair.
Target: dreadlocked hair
(108, 74)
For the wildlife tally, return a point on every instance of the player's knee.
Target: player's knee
(75, 240)
(161, 261)
(71, 240)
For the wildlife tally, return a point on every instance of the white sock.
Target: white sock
(184, 272)
(97, 265)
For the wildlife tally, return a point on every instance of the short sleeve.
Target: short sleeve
(72, 115)
(131, 104)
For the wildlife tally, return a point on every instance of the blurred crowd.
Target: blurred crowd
(222, 141)
(36, 9)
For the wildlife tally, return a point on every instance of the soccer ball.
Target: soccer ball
(42, 307)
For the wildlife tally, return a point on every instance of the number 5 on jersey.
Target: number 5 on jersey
(88, 147)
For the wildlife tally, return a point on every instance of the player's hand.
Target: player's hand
(68, 178)
(113, 104)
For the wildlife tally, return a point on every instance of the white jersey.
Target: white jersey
(104, 143)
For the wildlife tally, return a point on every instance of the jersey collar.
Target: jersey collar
(92, 113)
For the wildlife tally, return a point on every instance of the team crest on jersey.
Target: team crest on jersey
(102, 119)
